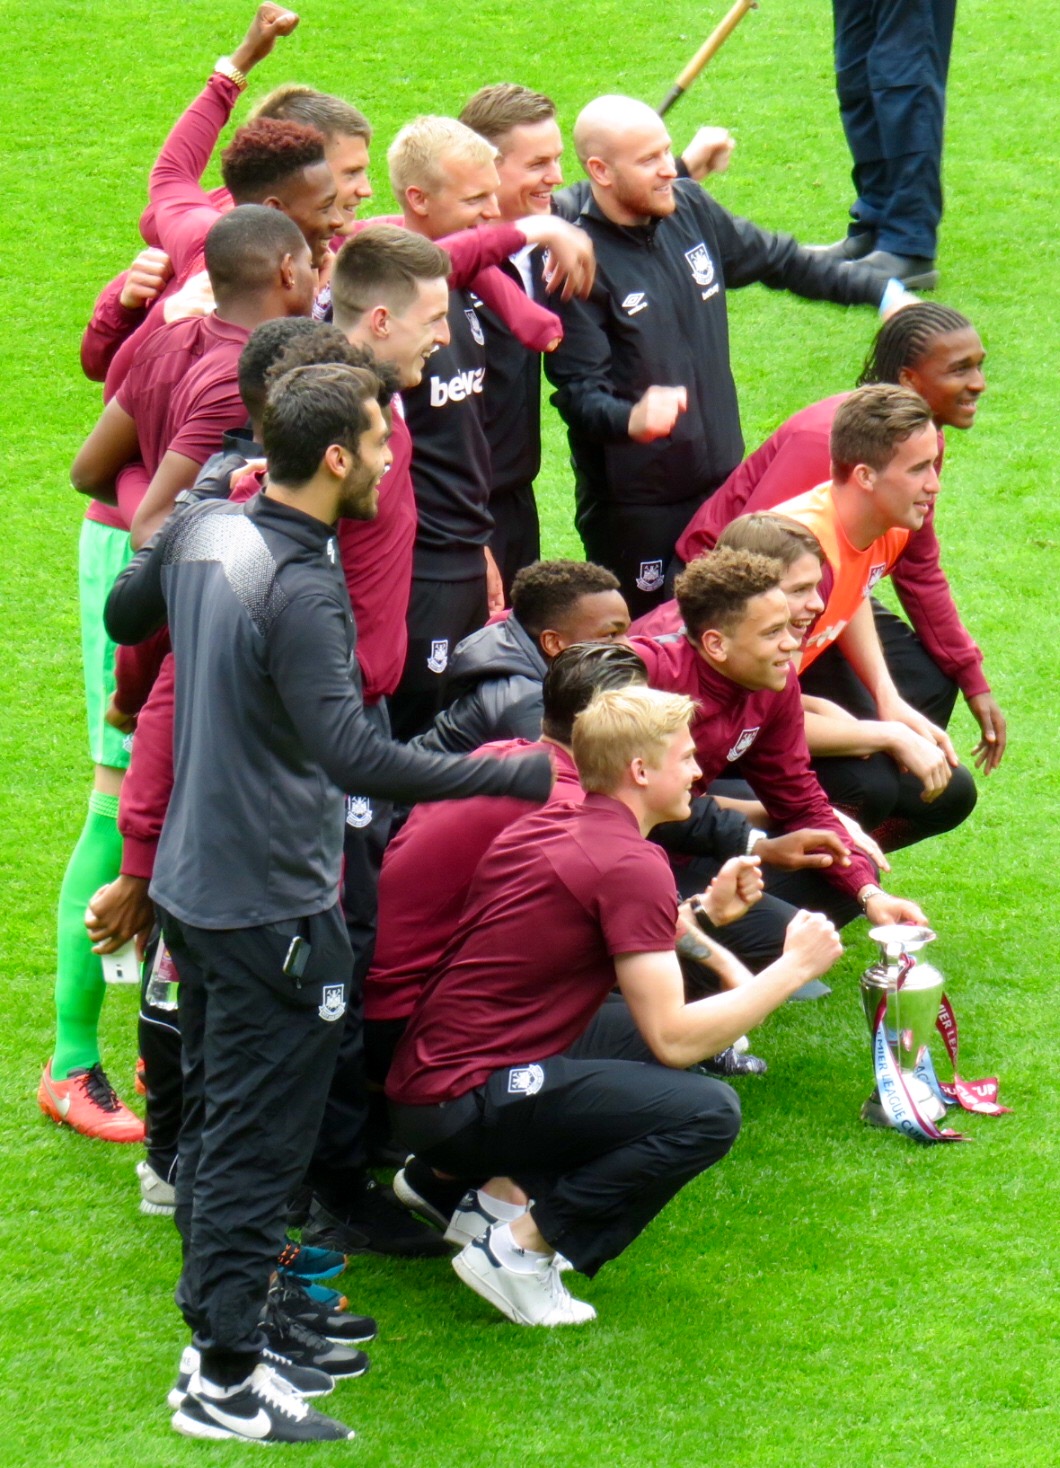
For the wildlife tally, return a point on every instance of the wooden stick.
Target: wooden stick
(714, 42)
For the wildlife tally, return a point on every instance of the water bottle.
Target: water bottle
(161, 991)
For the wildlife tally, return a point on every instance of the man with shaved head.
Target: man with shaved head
(643, 376)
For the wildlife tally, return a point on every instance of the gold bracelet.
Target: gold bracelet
(226, 67)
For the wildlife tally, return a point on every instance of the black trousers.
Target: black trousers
(259, 1050)
(600, 1145)
(516, 538)
(891, 62)
(886, 800)
(636, 542)
(440, 614)
(875, 791)
(340, 1156)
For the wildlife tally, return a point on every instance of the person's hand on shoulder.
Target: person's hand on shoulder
(570, 266)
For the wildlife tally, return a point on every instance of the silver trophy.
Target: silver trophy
(910, 1015)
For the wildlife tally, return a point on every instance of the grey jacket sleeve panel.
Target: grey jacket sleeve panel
(750, 255)
(329, 718)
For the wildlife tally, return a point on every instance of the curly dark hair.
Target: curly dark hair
(713, 590)
(544, 593)
(265, 345)
(326, 344)
(266, 153)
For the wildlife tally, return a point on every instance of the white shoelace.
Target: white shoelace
(278, 1393)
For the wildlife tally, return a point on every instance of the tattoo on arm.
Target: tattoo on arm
(696, 946)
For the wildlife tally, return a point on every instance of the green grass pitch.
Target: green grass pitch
(828, 1297)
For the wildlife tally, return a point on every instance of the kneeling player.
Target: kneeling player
(567, 902)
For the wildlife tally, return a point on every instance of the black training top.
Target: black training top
(450, 456)
(657, 315)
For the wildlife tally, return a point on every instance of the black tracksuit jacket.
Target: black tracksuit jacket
(657, 315)
(270, 729)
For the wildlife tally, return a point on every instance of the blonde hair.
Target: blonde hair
(417, 155)
(621, 725)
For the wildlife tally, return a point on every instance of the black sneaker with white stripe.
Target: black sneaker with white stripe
(262, 1409)
(295, 1342)
(307, 1381)
(333, 1325)
(422, 1191)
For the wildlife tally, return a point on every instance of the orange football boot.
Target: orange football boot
(87, 1101)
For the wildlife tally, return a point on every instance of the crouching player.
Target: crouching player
(567, 902)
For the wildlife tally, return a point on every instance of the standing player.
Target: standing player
(269, 731)
(445, 178)
(522, 127)
(521, 124)
(282, 164)
(170, 415)
(643, 376)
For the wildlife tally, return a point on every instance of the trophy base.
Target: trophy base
(928, 1104)
(872, 1112)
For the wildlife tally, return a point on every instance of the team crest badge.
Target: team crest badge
(439, 658)
(743, 744)
(334, 1005)
(876, 573)
(651, 576)
(700, 263)
(358, 811)
(525, 1080)
(476, 327)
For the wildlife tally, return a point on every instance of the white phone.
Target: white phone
(122, 967)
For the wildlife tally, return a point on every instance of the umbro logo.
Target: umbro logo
(634, 302)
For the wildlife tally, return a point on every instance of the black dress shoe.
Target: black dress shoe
(732, 1062)
(850, 247)
(917, 272)
(372, 1221)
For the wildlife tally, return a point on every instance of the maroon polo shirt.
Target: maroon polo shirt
(766, 732)
(555, 899)
(182, 392)
(427, 873)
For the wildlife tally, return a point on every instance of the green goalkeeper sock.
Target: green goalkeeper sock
(79, 986)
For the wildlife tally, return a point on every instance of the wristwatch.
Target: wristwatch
(226, 67)
(867, 893)
(753, 838)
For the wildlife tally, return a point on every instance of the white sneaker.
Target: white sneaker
(156, 1195)
(471, 1219)
(538, 1297)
